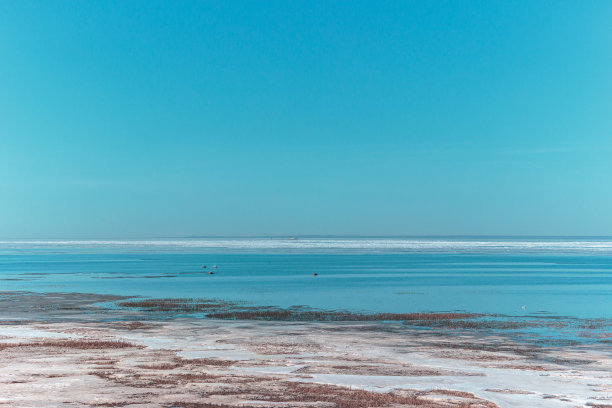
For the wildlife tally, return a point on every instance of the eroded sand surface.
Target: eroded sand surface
(80, 360)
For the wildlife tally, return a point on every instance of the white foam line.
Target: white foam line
(433, 245)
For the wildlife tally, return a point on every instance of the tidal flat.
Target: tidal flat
(306, 323)
(84, 350)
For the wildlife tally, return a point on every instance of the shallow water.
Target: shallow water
(521, 277)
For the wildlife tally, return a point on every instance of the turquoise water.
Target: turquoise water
(520, 277)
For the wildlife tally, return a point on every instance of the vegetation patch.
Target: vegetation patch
(330, 316)
(73, 344)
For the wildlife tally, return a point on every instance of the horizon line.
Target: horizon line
(322, 236)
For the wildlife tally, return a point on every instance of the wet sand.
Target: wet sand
(65, 350)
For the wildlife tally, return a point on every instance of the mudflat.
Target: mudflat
(77, 350)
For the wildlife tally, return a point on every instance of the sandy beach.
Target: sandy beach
(65, 350)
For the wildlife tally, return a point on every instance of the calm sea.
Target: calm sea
(514, 276)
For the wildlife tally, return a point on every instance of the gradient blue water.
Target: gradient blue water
(363, 277)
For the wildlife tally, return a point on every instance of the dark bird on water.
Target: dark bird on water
(211, 273)
(315, 274)
(203, 266)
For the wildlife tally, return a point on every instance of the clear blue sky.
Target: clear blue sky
(146, 118)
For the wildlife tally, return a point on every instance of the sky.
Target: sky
(134, 119)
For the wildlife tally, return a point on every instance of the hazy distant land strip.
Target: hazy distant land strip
(550, 245)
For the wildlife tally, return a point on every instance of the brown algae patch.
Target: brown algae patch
(174, 305)
(297, 394)
(329, 316)
(81, 344)
(216, 309)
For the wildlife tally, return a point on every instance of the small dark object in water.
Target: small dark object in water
(203, 266)
(215, 266)
(211, 273)
(315, 274)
